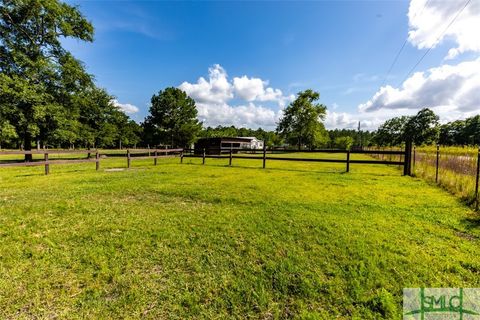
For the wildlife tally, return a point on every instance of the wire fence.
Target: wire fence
(456, 169)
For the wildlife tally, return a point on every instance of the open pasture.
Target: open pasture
(295, 240)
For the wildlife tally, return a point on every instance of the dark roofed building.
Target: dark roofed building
(216, 145)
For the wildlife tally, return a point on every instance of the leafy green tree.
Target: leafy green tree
(360, 138)
(422, 128)
(7, 133)
(173, 119)
(471, 132)
(391, 132)
(130, 133)
(452, 133)
(345, 142)
(38, 76)
(301, 123)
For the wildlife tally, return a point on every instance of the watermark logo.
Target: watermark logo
(441, 303)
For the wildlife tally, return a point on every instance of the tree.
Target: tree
(471, 131)
(452, 133)
(38, 76)
(391, 132)
(130, 133)
(360, 138)
(301, 123)
(345, 142)
(422, 128)
(173, 119)
(7, 133)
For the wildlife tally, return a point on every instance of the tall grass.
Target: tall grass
(457, 169)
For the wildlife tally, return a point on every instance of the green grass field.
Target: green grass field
(296, 240)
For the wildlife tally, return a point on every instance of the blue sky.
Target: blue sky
(343, 49)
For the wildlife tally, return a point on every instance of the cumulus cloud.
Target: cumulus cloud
(428, 19)
(214, 98)
(451, 91)
(251, 89)
(125, 107)
(217, 89)
(456, 87)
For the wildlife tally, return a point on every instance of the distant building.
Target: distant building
(216, 145)
(254, 143)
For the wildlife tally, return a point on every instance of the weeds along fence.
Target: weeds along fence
(457, 169)
(275, 155)
(94, 156)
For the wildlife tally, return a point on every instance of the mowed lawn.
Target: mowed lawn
(176, 241)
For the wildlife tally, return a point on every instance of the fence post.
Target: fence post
(47, 166)
(230, 160)
(181, 156)
(407, 169)
(437, 162)
(155, 157)
(413, 160)
(477, 200)
(348, 160)
(97, 160)
(128, 158)
(203, 160)
(264, 153)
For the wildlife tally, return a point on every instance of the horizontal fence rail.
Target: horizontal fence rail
(133, 154)
(265, 154)
(47, 162)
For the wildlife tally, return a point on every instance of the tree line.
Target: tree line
(424, 128)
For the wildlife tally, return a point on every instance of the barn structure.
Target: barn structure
(217, 145)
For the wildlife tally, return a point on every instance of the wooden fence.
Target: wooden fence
(235, 154)
(264, 155)
(130, 154)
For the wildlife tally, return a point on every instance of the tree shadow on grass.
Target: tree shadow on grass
(471, 223)
(52, 172)
(29, 175)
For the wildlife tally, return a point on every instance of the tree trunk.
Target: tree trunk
(27, 145)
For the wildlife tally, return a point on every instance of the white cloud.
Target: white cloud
(125, 107)
(451, 91)
(248, 89)
(213, 97)
(456, 87)
(254, 89)
(216, 90)
(427, 21)
(368, 121)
